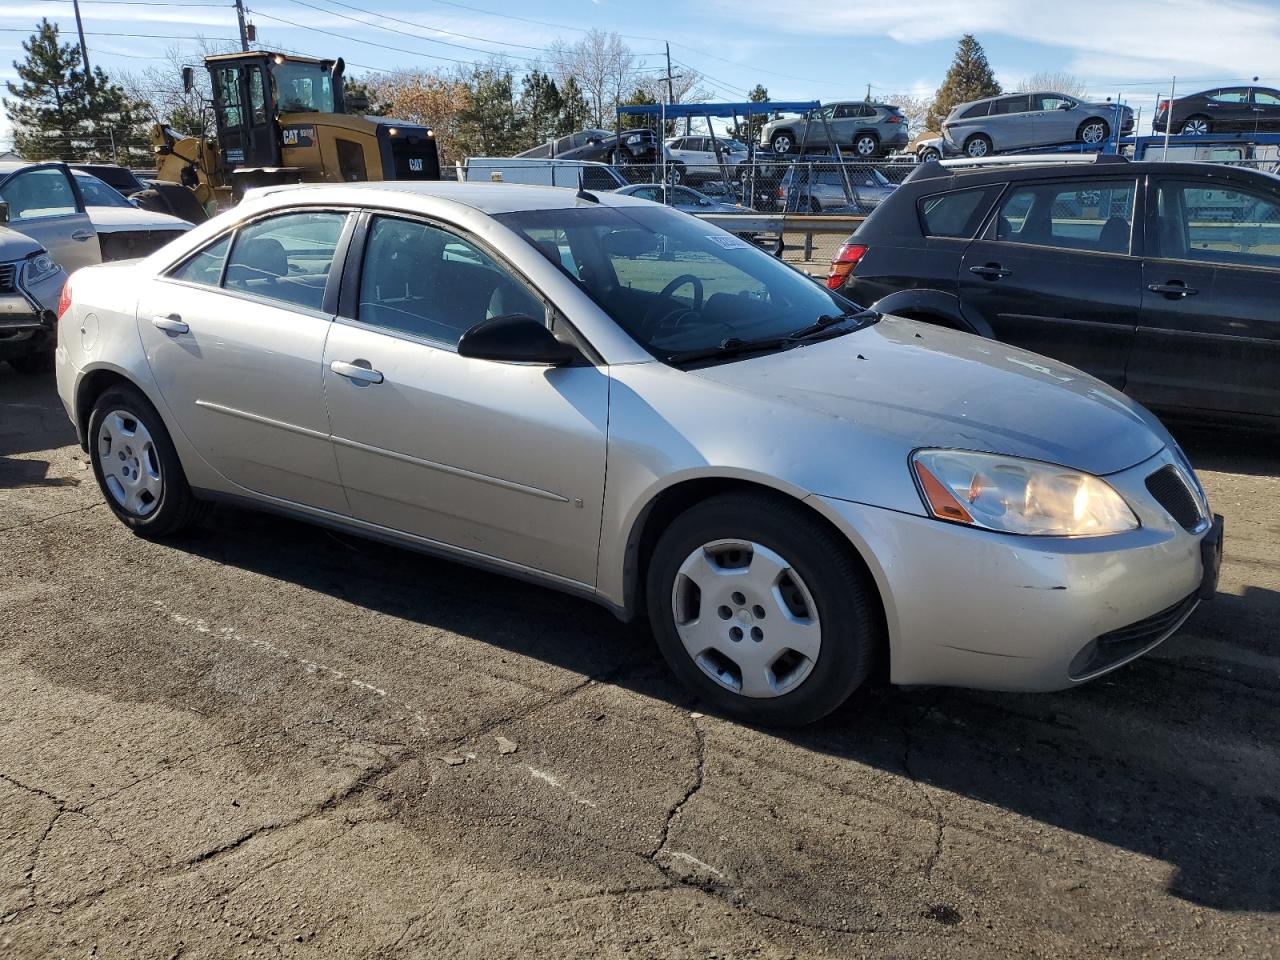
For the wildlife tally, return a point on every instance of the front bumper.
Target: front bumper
(27, 316)
(970, 608)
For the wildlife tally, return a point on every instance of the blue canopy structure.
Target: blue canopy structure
(677, 111)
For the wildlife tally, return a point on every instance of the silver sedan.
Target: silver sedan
(618, 400)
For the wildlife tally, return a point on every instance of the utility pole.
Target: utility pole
(84, 51)
(244, 34)
(671, 95)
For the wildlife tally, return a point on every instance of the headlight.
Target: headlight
(1012, 495)
(39, 267)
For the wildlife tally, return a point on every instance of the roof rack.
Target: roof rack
(942, 168)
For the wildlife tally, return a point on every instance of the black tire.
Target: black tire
(1196, 126)
(177, 507)
(33, 364)
(978, 146)
(866, 145)
(1094, 131)
(840, 586)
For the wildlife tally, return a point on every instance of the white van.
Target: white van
(577, 174)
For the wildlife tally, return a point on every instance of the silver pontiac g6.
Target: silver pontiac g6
(615, 399)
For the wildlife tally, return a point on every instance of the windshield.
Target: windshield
(98, 194)
(302, 88)
(675, 284)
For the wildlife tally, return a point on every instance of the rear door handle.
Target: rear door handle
(1174, 288)
(356, 371)
(83, 235)
(991, 271)
(170, 324)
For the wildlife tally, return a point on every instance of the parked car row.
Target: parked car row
(58, 219)
(793, 481)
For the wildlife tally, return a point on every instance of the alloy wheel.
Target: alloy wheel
(977, 147)
(1093, 133)
(782, 143)
(130, 463)
(866, 146)
(1196, 127)
(746, 618)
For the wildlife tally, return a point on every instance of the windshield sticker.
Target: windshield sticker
(727, 242)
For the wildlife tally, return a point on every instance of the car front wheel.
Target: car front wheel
(929, 153)
(782, 143)
(762, 610)
(137, 466)
(1093, 132)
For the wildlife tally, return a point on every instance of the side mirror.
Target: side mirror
(515, 338)
(4, 211)
(188, 79)
(1066, 106)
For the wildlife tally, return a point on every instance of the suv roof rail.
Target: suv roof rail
(940, 168)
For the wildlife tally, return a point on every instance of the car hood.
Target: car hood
(16, 246)
(913, 385)
(123, 219)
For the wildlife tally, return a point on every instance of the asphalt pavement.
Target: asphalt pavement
(265, 740)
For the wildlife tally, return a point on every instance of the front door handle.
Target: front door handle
(170, 324)
(1174, 289)
(83, 235)
(991, 271)
(360, 371)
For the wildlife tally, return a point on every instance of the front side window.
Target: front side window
(1218, 226)
(286, 258)
(428, 283)
(36, 194)
(673, 283)
(1094, 215)
(99, 194)
(1050, 101)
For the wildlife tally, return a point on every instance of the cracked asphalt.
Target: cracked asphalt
(264, 740)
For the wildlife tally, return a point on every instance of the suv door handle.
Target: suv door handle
(1174, 289)
(991, 271)
(170, 324)
(83, 235)
(355, 371)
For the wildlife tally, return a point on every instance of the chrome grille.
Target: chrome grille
(1172, 492)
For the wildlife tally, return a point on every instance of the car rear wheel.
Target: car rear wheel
(762, 610)
(1093, 131)
(979, 145)
(866, 145)
(782, 143)
(1196, 126)
(676, 173)
(136, 465)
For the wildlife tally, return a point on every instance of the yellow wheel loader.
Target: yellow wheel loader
(282, 119)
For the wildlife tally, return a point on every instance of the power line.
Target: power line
(367, 43)
(131, 36)
(424, 26)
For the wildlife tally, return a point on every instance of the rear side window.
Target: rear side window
(286, 258)
(1095, 215)
(1213, 225)
(205, 267)
(977, 110)
(1011, 105)
(954, 214)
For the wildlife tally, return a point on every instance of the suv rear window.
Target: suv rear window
(954, 214)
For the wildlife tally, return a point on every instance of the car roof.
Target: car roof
(1117, 167)
(486, 197)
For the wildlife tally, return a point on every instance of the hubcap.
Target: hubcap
(866, 146)
(746, 618)
(130, 463)
(1093, 133)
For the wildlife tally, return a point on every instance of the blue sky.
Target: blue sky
(801, 49)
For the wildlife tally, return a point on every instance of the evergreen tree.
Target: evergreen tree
(574, 109)
(539, 107)
(59, 111)
(969, 78)
(488, 125)
(748, 129)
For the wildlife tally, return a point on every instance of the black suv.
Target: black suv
(1162, 279)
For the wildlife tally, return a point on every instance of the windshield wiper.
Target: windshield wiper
(819, 329)
(730, 347)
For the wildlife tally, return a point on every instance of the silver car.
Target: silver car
(867, 129)
(618, 400)
(1022, 120)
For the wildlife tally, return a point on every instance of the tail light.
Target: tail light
(1163, 107)
(64, 299)
(847, 258)
(893, 118)
(782, 193)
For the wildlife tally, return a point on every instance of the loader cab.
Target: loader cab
(251, 89)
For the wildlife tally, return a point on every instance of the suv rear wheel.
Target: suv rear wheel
(866, 145)
(783, 142)
(979, 145)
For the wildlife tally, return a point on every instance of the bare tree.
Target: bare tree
(1055, 82)
(603, 66)
(915, 109)
(160, 92)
